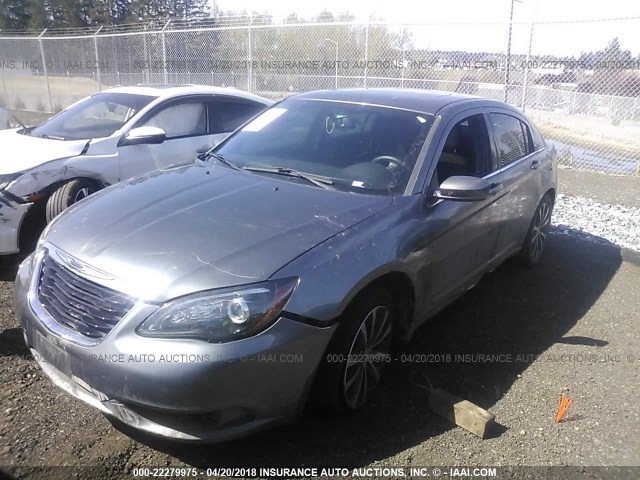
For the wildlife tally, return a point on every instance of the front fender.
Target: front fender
(335, 271)
(46, 177)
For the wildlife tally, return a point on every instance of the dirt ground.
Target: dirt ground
(568, 326)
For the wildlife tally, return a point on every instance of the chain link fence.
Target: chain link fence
(588, 106)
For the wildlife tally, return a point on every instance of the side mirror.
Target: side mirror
(144, 136)
(463, 188)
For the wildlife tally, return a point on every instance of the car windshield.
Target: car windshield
(98, 116)
(352, 147)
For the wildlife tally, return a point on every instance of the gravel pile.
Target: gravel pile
(596, 222)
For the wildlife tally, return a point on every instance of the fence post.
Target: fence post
(249, 58)
(44, 67)
(611, 113)
(4, 87)
(508, 58)
(366, 52)
(164, 52)
(95, 45)
(145, 68)
(525, 83)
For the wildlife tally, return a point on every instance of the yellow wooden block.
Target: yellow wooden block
(461, 412)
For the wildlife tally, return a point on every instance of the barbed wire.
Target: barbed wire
(221, 22)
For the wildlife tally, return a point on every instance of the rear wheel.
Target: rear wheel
(534, 242)
(358, 352)
(69, 193)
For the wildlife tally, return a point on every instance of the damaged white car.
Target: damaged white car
(106, 138)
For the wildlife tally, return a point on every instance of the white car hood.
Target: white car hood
(22, 152)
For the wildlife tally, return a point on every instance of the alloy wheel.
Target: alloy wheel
(540, 228)
(82, 193)
(364, 362)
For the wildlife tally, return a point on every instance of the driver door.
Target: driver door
(461, 235)
(185, 123)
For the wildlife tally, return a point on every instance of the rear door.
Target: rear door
(226, 114)
(519, 156)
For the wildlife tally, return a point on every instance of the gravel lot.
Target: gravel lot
(597, 222)
(573, 320)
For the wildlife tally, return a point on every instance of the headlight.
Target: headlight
(221, 315)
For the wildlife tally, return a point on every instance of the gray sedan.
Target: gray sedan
(209, 301)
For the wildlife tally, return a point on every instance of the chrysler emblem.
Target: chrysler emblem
(79, 266)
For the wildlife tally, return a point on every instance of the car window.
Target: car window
(466, 150)
(511, 136)
(227, 115)
(180, 120)
(360, 148)
(538, 141)
(95, 117)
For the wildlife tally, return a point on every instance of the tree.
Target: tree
(346, 17)
(69, 13)
(108, 12)
(326, 16)
(292, 18)
(608, 72)
(13, 14)
(39, 17)
(146, 10)
(150, 10)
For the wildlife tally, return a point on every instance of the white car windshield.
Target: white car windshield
(98, 116)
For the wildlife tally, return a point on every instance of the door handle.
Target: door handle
(534, 165)
(203, 150)
(495, 187)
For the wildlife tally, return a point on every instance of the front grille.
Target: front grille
(80, 304)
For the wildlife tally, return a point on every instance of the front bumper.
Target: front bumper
(11, 215)
(182, 389)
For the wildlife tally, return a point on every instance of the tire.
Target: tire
(534, 242)
(69, 193)
(354, 360)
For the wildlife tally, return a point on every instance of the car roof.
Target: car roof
(426, 101)
(164, 91)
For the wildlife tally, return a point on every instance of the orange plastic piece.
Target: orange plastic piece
(564, 406)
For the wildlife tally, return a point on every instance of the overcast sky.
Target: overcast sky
(477, 35)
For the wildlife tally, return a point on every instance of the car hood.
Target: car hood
(201, 227)
(22, 152)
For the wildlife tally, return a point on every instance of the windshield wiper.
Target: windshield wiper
(51, 137)
(289, 172)
(221, 158)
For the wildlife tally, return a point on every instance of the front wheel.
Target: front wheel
(534, 242)
(358, 352)
(66, 195)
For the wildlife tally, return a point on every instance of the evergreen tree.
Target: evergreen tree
(13, 14)
(39, 14)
